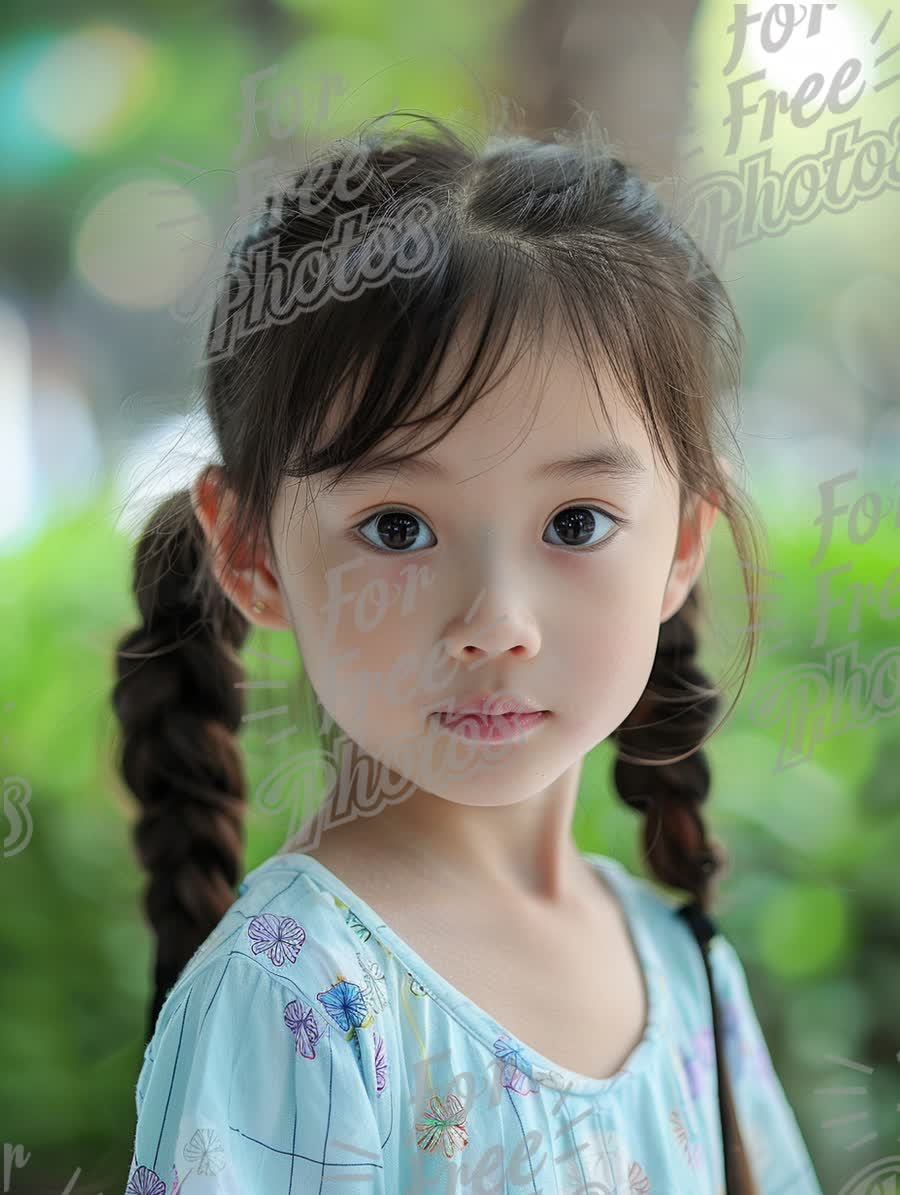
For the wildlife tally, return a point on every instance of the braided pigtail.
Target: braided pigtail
(179, 707)
(670, 795)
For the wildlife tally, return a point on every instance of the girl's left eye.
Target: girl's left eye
(575, 523)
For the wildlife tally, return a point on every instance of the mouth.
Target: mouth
(493, 728)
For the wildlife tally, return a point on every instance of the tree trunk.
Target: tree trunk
(624, 63)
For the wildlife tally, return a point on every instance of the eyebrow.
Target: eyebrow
(619, 462)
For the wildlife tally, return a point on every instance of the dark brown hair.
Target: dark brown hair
(515, 228)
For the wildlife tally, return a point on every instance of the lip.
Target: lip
(493, 728)
(486, 705)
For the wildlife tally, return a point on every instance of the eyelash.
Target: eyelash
(616, 520)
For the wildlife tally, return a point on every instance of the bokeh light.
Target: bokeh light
(802, 929)
(165, 458)
(112, 73)
(136, 245)
(29, 155)
(17, 478)
(864, 321)
(818, 43)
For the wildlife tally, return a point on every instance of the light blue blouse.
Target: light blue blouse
(306, 1048)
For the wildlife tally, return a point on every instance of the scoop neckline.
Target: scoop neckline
(474, 1019)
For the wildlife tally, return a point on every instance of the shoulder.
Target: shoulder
(254, 1058)
(672, 941)
(675, 950)
(285, 953)
(655, 913)
(287, 927)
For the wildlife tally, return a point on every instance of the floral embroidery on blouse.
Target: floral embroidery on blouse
(381, 1066)
(601, 1167)
(444, 1126)
(698, 1060)
(278, 937)
(517, 1073)
(301, 1020)
(362, 931)
(638, 1183)
(144, 1181)
(692, 1149)
(346, 1004)
(205, 1149)
(373, 988)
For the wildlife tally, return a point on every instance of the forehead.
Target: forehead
(543, 402)
(548, 404)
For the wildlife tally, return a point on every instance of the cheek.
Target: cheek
(603, 597)
(602, 674)
(606, 641)
(377, 616)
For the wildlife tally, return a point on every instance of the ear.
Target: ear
(690, 551)
(243, 579)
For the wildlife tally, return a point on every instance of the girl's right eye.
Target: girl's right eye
(396, 530)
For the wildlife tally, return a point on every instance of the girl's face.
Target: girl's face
(501, 572)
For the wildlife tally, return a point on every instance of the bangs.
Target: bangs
(425, 350)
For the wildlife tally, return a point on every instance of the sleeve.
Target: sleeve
(779, 1157)
(248, 1088)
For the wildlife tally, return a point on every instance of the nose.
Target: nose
(482, 637)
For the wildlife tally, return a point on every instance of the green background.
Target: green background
(811, 901)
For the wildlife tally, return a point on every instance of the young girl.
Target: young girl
(431, 988)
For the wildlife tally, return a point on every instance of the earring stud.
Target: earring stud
(259, 606)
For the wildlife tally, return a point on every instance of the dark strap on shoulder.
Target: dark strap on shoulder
(704, 930)
(703, 926)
